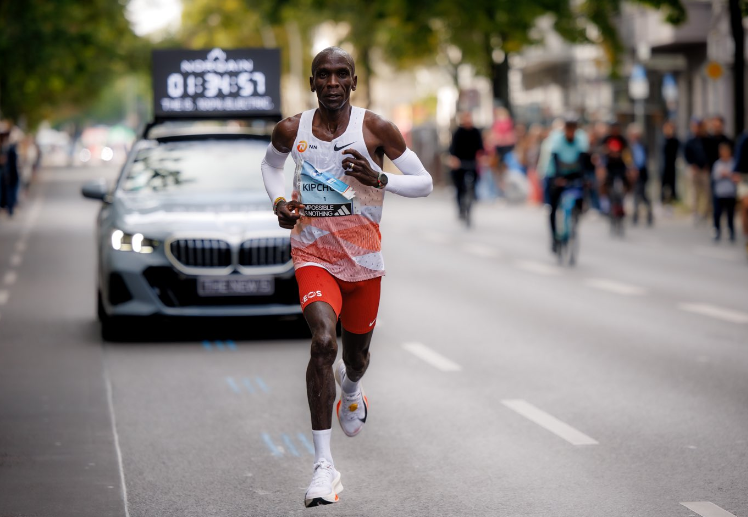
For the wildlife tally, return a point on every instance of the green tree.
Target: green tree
(56, 56)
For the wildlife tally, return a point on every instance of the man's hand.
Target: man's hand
(453, 162)
(356, 166)
(289, 213)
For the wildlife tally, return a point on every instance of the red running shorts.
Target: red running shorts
(355, 303)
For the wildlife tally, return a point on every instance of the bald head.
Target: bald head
(330, 52)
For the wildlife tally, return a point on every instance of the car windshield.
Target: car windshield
(199, 166)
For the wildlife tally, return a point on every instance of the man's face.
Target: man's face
(333, 81)
(717, 126)
(570, 131)
(466, 120)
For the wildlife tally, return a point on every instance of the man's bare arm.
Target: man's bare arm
(415, 180)
(284, 133)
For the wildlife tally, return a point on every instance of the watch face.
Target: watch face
(383, 178)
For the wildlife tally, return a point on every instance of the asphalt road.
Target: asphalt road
(500, 383)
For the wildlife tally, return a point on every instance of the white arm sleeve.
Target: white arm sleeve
(272, 172)
(415, 181)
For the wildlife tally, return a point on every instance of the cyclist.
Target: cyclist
(569, 161)
(467, 142)
(617, 162)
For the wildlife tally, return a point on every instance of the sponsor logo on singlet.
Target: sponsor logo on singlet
(302, 146)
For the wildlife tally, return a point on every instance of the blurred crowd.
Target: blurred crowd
(20, 158)
(705, 172)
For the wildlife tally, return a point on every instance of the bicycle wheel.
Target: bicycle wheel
(573, 245)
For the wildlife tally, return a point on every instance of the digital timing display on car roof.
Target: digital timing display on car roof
(216, 83)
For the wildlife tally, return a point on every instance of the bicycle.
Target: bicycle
(617, 211)
(468, 175)
(567, 220)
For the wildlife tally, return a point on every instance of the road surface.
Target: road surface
(500, 383)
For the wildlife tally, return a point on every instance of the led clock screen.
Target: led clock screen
(216, 83)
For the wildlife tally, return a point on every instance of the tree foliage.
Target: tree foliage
(55, 56)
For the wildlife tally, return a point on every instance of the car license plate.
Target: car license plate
(235, 286)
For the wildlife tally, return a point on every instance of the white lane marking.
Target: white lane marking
(716, 253)
(110, 403)
(10, 278)
(537, 267)
(436, 238)
(707, 509)
(16, 259)
(549, 422)
(715, 312)
(4, 296)
(435, 359)
(480, 250)
(613, 286)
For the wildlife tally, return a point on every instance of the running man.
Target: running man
(334, 216)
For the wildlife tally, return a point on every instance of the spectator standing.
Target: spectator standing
(717, 137)
(639, 157)
(10, 176)
(670, 148)
(725, 190)
(741, 173)
(697, 160)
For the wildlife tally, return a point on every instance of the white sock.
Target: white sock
(322, 445)
(347, 385)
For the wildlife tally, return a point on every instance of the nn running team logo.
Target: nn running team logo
(302, 146)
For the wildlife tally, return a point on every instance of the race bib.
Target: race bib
(323, 195)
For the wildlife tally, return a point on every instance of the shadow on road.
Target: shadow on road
(158, 330)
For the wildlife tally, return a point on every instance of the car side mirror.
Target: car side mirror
(95, 189)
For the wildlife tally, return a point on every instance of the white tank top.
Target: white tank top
(339, 235)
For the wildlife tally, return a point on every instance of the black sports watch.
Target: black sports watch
(382, 180)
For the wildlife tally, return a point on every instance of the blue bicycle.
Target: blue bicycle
(567, 219)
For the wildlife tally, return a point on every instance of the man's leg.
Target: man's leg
(321, 300)
(730, 211)
(555, 198)
(717, 218)
(355, 358)
(358, 318)
(320, 382)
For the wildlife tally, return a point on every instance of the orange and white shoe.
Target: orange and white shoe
(352, 409)
(325, 485)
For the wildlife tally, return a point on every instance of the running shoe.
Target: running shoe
(325, 485)
(352, 409)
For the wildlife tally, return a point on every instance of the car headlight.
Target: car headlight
(136, 242)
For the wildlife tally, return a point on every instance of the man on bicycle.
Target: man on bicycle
(569, 161)
(467, 142)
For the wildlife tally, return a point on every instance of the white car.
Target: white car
(188, 230)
